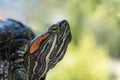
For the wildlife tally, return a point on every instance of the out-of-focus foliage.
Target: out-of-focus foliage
(95, 26)
(106, 19)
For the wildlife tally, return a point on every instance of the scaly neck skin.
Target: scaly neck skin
(47, 49)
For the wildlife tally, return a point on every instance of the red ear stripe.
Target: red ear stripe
(36, 43)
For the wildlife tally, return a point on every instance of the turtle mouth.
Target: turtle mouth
(69, 36)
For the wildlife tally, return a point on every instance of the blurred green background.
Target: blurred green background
(94, 51)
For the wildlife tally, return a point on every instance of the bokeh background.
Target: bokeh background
(94, 52)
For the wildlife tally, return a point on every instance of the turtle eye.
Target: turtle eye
(54, 29)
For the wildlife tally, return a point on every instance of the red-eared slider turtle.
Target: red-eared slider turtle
(42, 54)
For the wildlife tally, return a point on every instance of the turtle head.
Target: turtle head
(47, 49)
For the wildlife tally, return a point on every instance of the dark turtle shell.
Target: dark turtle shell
(13, 35)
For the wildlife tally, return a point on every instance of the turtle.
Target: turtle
(42, 52)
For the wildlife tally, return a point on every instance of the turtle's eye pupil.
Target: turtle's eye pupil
(54, 29)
